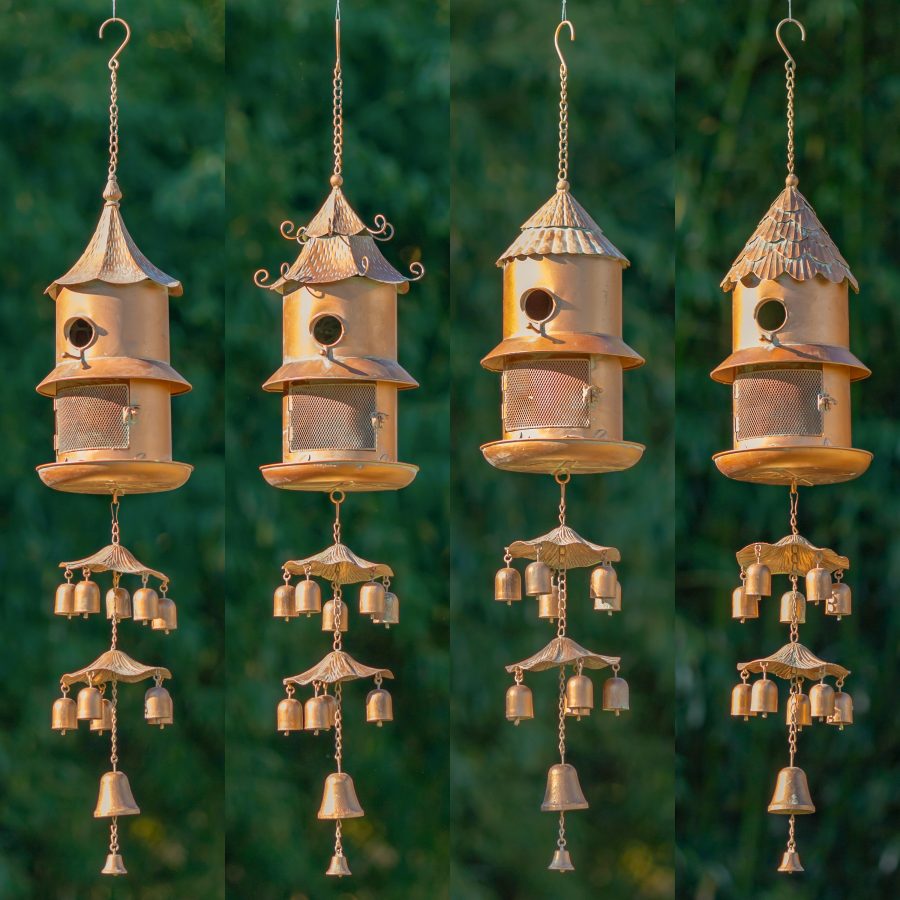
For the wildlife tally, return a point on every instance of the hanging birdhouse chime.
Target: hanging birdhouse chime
(339, 381)
(561, 362)
(790, 371)
(111, 390)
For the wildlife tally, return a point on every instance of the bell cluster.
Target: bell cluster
(319, 711)
(822, 703)
(91, 706)
(579, 698)
(305, 598)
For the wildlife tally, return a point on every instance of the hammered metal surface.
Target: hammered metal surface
(113, 558)
(563, 548)
(789, 240)
(551, 393)
(332, 416)
(339, 565)
(803, 466)
(794, 659)
(91, 417)
(114, 664)
(777, 402)
(337, 666)
(780, 556)
(562, 651)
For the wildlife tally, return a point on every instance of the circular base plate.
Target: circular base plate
(345, 475)
(576, 456)
(785, 465)
(125, 476)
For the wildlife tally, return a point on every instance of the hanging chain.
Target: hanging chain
(562, 590)
(114, 626)
(561, 840)
(114, 835)
(562, 714)
(337, 498)
(338, 846)
(562, 481)
(114, 513)
(338, 597)
(338, 100)
(563, 171)
(792, 730)
(338, 726)
(795, 562)
(794, 501)
(792, 843)
(790, 68)
(114, 728)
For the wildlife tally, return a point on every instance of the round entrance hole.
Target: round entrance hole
(80, 333)
(327, 330)
(538, 305)
(771, 315)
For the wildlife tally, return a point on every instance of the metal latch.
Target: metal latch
(129, 414)
(825, 401)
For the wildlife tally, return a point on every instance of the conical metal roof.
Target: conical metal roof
(790, 240)
(561, 226)
(112, 256)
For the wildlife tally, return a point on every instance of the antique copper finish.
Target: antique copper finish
(283, 603)
(615, 695)
(115, 797)
(379, 707)
(793, 606)
(89, 704)
(114, 865)
(64, 603)
(821, 701)
(563, 790)
(158, 709)
(371, 599)
(743, 605)
(308, 597)
(105, 722)
(791, 796)
(538, 579)
(579, 696)
(289, 716)
(740, 701)
(759, 580)
(118, 603)
(519, 703)
(339, 798)
(507, 585)
(64, 717)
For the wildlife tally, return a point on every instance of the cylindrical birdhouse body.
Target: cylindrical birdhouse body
(562, 354)
(791, 365)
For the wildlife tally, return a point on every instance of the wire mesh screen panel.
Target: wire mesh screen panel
(332, 416)
(92, 417)
(552, 393)
(777, 402)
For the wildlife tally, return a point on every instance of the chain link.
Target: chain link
(114, 835)
(790, 68)
(562, 714)
(113, 118)
(792, 843)
(338, 598)
(338, 98)
(563, 171)
(338, 726)
(792, 728)
(114, 728)
(561, 840)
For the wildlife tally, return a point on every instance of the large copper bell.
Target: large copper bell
(166, 616)
(339, 798)
(64, 604)
(379, 707)
(319, 713)
(740, 700)
(308, 597)
(744, 605)
(840, 603)
(615, 695)
(804, 713)
(538, 579)
(87, 598)
(821, 701)
(328, 617)
(338, 866)
(603, 582)
(759, 580)
(115, 797)
(158, 708)
(791, 795)
(519, 703)
(790, 600)
(118, 603)
(790, 862)
(561, 861)
(764, 697)
(115, 865)
(391, 614)
(145, 605)
(104, 723)
(563, 790)
(579, 696)
(507, 585)
(843, 710)
(283, 602)
(818, 584)
(371, 599)
(63, 717)
(548, 605)
(289, 716)
(89, 705)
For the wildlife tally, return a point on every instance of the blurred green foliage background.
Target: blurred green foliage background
(53, 158)
(730, 159)
(505, 95)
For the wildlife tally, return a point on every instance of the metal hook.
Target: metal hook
(113, 60)
(787, 52)
(337, 31)
(564, 24)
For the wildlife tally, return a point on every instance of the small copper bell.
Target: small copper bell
(610, 605)
(740, 700)
(115, 798)
(64, 604)
(615, 695)
(843, 710)
(338, 866)
(328, 616)
(118, 603)
(158, 709)
(804, 713)
(579, 696)
(744, 605)
(318, 713)
(371, 599)
(391, 614)
(308, 597)
(818, 584)
(89, 705)
(764, 697)
(145, 605)
(63, 717)
(759, 580)
(840, 603)
(548, 605)
(538, 579)
(115, 865)
(507, 585)
(290, 716)
(339, 798)
(87, 598)
(379, 707)
(563, 790)
(283, 606)
(104, 723)
(561, 861)
(821, 701)
(791, 795)
(790, 600)
(603, 582)
(519, 703)
(166, 616)
(790, 862)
